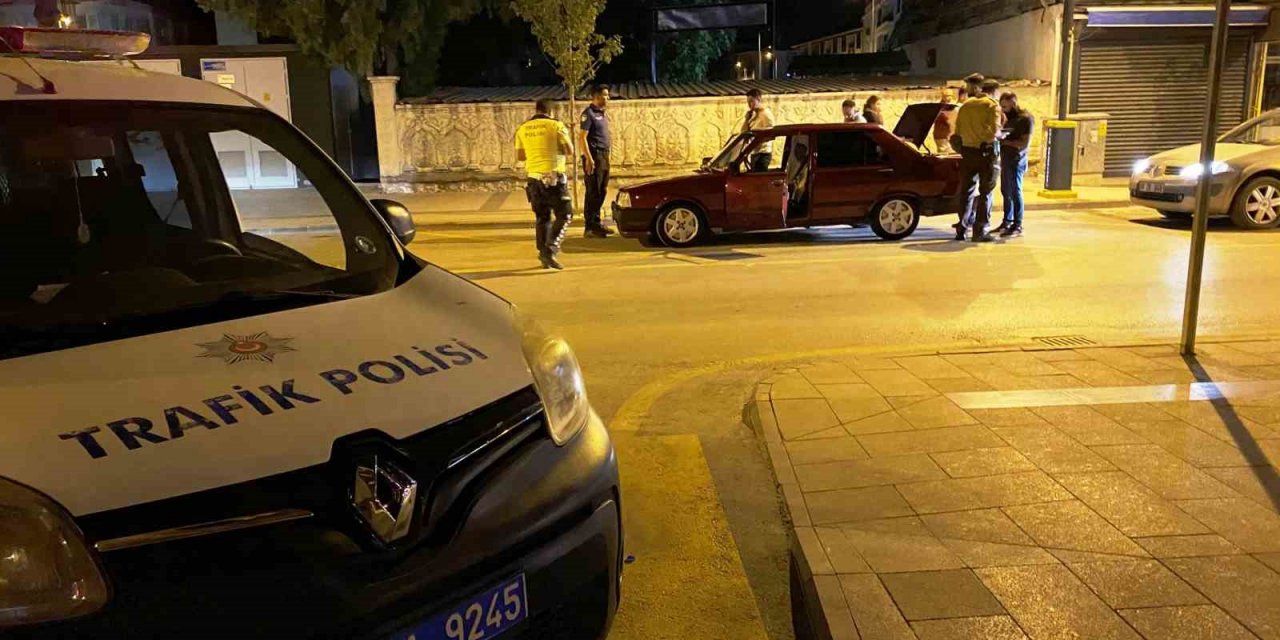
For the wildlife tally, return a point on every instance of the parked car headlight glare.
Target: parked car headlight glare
(1196, 170)
(558, 379)
(624, 199)
(1141, 166)
(47, 571)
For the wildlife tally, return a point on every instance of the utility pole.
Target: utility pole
(1060, 147)
(1200, 224)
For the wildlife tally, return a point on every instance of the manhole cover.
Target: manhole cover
(1065, 342)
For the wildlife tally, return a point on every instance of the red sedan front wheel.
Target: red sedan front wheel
(680, 226)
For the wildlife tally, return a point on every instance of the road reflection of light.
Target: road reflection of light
(1174, 272)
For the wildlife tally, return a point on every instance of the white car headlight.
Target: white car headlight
(1196, 170)
(558, 379)
(1141, 166)
(624, 199)
(47, 572)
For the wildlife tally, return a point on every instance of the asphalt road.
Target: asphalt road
(672, 342)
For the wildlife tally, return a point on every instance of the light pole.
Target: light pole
(1208, 144)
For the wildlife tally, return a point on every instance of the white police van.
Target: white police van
(214, 425)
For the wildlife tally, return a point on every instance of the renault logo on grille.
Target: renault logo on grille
(384, 496)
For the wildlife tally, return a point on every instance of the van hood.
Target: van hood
(1242, 153)
(122, 423)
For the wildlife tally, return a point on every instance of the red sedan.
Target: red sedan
(820, 174)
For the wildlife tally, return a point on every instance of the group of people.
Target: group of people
(992, 136)
(543, 144)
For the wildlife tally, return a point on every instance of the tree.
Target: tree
(362, 36)
(687, 56)
(566, 31)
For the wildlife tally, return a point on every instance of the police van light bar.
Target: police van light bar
(73, 41)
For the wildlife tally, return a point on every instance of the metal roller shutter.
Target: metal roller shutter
(1154, 84)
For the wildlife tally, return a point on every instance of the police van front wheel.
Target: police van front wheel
(895, 219)
(680, 226)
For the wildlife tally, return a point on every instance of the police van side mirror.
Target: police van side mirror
(398, 218)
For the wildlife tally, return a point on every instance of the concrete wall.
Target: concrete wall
(473, 143)
(1025, 46)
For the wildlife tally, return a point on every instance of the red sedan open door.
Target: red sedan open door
(756, 199)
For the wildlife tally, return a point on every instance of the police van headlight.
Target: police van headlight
(47, 572)
(558, 379)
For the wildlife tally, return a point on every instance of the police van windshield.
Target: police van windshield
(118, 219)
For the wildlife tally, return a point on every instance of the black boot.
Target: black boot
(959, 231)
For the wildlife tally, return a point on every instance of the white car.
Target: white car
(213, 425)
(1245, 183)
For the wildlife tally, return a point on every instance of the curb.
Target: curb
(817, 597)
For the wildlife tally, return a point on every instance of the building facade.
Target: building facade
(1144, 64)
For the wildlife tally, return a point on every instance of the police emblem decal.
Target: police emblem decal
(234, 349)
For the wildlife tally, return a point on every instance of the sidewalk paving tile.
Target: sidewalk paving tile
(828, 450)
(1220, 423)
(1262, 414)
(1163, 472)
(834, 608)
(1261, 484)
(934, 412)
(931, 367)
(1259, 347)
(982, 492)
(1010, 417)
(880, 423)
(926, 595)
(1022, 363)
(869, 363)
(853, 474)
(1156, 351)
(1127, 584)
(1166, 376)
(793, 386)
(1246, 524)
(982, 525)
(829, 373)
(1229, 356)
(1128, 413)
(847, 390)
(855, 409)
(1244, 587)
(897, 383)
(840, 553)
(1073, 526)
(1127, 361)
(1270, 559)
(1201, 622)
(891, 552)
(985, 628)
(1088, 426)
(898, 402)
(1059, 355)
(1097, 374)
(874, 613)
(929, 441)
(1187, 546)
(953, 385)
(1189, 443)
(1048, 601)
(1051, 450)
(825, 434)
(994, 554)
(902, 525)
(982, 462)
(852, 505)
(797, 418)
(1130, 506)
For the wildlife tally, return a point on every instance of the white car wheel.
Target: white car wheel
(680, 226)
(895, 219)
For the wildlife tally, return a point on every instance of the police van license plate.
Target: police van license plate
(484, 615)
(1151, 187)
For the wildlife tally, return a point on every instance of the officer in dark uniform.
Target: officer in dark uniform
(594, 142)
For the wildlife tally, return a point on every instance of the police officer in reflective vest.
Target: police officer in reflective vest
(594, 142)
(543, 143)
(977, 125)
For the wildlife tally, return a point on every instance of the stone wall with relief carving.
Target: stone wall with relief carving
(649, 135)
